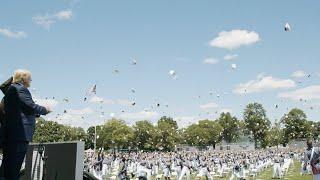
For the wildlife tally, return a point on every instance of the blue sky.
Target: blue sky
(71, 45)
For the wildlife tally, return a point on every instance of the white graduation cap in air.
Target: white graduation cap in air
(173, 74)
(66, 99)
(94, 89)
(287, 27)
(116, 71)
(134, 62)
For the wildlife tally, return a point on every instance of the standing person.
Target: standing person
(166, 168)
(122, 169)
(19, 123)
(276, 172)
(186, 169)
(204, 168)
(312, 155)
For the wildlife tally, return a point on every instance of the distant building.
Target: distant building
(236, 146)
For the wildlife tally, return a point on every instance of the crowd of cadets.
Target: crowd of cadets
(165, 165)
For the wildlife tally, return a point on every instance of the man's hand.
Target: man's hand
(49, 110)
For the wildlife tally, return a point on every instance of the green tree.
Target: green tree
(73, 133)
(115, 134)
(166, 134)
(214, 130)
(204, 133)
(48, 131)
(144, 135)
(314, 129)
(231, 130)
(257, 123)
(296, 125)
(194, 136)
(89, 140)
(275, 135)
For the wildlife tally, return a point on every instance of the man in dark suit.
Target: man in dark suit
(19, 123)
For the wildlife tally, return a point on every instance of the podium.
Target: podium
(54, 161)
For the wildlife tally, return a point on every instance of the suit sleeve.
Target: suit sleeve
(5, 86)
(27, 101)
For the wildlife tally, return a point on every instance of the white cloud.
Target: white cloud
(96, 99)
(185, 121)
(209, 106)
(70, 119)
(263, 83)
(142, 115)
(234, 39)
(11, 34)
(210, 61)
(44, 21)
(64, 15)
(46, 102)
(121, 102)
(77, 118)
(84, 111)
(47, 20)
(230, 57)
(124, 102)
(299, 74)
(307, 93)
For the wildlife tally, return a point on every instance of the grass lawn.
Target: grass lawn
(293, 173)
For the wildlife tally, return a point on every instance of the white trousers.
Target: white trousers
(142, 170)
(276, 173)
(185, 171)
(204, 172)
(178, 170)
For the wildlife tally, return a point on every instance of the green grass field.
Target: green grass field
(293, 174)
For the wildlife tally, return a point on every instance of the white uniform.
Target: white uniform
(185, 170)
(276, 171)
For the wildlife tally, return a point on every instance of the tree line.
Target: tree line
(165, 134)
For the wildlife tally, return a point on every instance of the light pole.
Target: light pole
(95, 138)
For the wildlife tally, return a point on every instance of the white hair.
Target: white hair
(21, 75)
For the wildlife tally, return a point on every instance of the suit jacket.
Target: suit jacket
(20, 109)
(5, 85)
